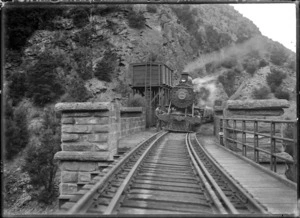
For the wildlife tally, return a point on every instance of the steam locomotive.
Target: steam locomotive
(182, 115)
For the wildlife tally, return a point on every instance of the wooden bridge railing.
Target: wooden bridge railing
(230, 136)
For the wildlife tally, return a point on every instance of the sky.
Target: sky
(276, 21)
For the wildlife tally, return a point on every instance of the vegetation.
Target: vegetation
(106, 67)
(261, 93)
(151, 8)
(292, 64)
(210, 67)
(214, 38)
(288, 132)
(136, 101)
(21, 22)
(229, 62)
(13, 57)
(43, 83)
(263, 63)
(280, 94)
(80, 16)
(278, 55)
(16, 132)
(136, 20)
(17, 87)
(83, 37)
(275, 78)
(254, 54)
(39, 161)
(77, 92)
(83, 57)
(228, 80)
(123, 89)
(104, 10)
(250, 65)
(185, 15)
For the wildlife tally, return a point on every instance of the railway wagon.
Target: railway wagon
(181, 115)
(151, 74)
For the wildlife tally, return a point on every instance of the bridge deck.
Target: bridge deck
(277, 195)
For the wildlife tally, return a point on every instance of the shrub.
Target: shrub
(136, 101)
(80, 16)
(104, 10)
(17, 87)
(263, 63)
(228, 80)
(254, 54)
(250, 65)
(105, 68)
(43, 83)
(136, 20)
(151, 8)
(261, 93)
(123, 89)
(83, 37)
(278, 55)
(22, 22)
(77, 92)
(229, 62)
(243, 32)
(16, 132)
(288, 132)
(280, 94)
(83, 58)
(213, 37)
(185, 16)
(13, 57)
(292, 65)
(39, 161)
(275, 78)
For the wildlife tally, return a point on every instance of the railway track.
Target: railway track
(168, 174)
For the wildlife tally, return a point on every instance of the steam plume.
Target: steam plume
(255, 43)
(205, 89)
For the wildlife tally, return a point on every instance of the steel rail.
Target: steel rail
(114, 202)
(212, 194)
(87, 199)
(211, 180)
(205, 182)
(232, 181)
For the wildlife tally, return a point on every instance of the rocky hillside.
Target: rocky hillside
(84, 54)
(173, 35)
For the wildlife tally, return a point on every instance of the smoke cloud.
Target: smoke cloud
(205, 89)
(255, 43)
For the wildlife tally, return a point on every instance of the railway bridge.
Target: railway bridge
(111, 164)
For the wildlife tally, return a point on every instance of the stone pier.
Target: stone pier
(89, 140)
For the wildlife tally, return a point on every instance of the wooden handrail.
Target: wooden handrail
(260, 120)
(224, 127)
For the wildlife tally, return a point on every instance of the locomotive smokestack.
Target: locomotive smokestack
(185, 77)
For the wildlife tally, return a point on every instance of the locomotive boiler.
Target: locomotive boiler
(181, 115)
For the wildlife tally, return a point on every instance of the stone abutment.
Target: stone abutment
(89, 140)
